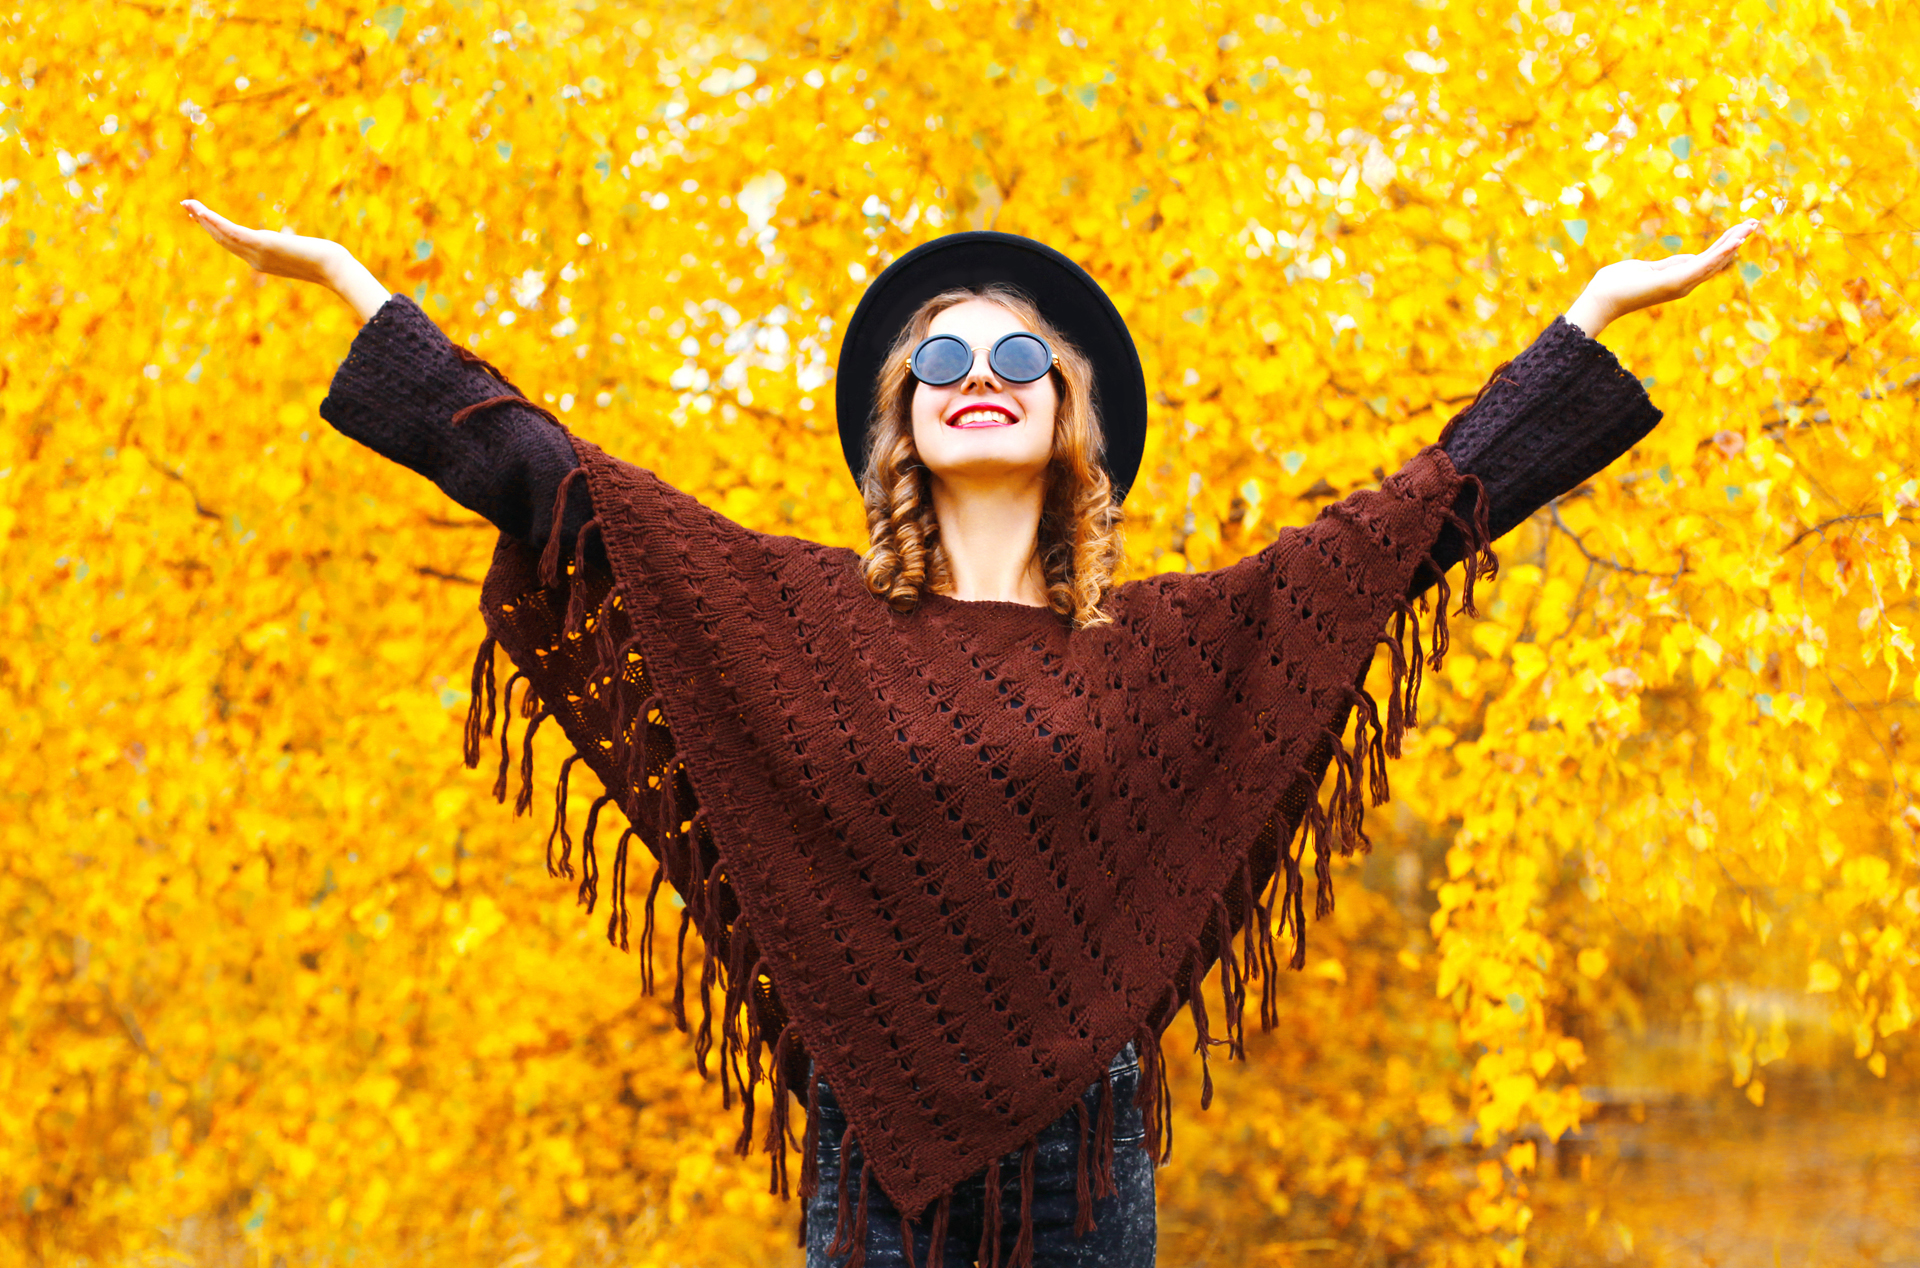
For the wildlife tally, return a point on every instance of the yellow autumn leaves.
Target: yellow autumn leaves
(279, 972)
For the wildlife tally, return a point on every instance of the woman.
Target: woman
(963, 824)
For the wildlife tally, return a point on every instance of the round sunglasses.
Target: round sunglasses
(1018, 357)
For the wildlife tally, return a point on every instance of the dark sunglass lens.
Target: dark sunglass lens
(1021, 358)
(941, 360)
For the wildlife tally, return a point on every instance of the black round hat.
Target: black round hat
(1065, 294)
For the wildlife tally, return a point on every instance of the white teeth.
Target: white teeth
(973, 416)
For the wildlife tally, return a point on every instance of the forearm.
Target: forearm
(1590, 313)
(397, 392)
(353, 282)
(1552, 418)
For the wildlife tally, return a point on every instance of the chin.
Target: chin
(989, 467)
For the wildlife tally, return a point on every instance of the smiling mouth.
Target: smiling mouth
(983, 416)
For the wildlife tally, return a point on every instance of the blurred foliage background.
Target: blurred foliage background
(1631, 974)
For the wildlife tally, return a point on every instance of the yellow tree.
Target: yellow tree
(276, 966)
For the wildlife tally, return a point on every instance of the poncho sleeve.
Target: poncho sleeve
(1554, 416)
(414, 396)
(1261, 665)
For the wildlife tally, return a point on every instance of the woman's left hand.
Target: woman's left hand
(1619, 289)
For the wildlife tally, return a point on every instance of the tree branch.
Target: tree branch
(198, 505)
(1601, 562)
(1822, 527)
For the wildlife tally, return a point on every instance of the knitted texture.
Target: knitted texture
(1554, 416)
(1125, 933)
(961, 856)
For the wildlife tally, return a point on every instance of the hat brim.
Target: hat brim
(1067, 296)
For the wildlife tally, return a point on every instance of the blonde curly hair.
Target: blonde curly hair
(1079, 541)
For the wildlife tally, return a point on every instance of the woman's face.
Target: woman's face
(981, 428)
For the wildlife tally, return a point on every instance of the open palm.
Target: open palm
(270, 251)
(1631, 285)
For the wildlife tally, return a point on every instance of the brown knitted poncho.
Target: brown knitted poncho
(961, 856)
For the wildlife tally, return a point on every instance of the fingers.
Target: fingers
(248, 244)
(1730, 241)
(219, 226)
(1691, 270)
(223, 230)
(205, 216)
(1720, 256)
(1727, 249)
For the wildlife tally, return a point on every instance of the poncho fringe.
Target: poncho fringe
(554, 616)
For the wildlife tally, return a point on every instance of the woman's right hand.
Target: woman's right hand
(282, 254)
(1630, 285)
(279, 253)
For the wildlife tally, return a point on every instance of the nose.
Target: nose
(980, 376)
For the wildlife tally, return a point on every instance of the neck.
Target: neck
(991, 534)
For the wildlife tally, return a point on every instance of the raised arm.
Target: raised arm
(1546, 421)
(401, 388)
(404, 383)
(1563, 410)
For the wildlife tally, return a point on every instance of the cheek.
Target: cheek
(924, 412)
(1042, 409)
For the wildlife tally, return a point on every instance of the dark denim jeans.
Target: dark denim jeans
(1124, 1233)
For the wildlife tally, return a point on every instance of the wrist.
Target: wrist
(354, 283)
(336, 263)
(1590, 313)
